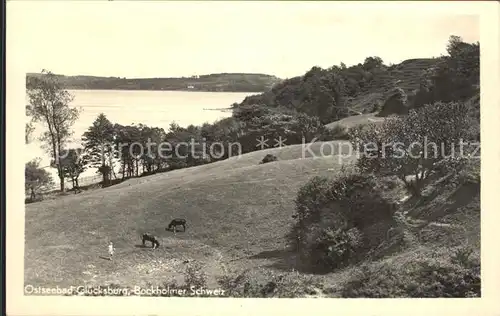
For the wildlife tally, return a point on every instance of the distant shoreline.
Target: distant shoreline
(219, 109)
(223, 82)
(164, 90)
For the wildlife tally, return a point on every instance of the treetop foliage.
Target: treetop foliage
(49, 104)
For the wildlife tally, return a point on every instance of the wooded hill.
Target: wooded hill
(339, 91)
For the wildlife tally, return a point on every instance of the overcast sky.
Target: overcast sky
(167, 39)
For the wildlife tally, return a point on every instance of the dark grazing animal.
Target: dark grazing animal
(148, 237)
(177, 222)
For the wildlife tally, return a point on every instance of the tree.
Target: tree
(455, 78)
(29, 126)
(150, 138)
(463, 59)
(319, 92)
(372, 62)
(74, 163)
(124, 135)
(414, 146)
(49, 104)
(99, 145)
(28, 133)
(190, 155)
(36, 178)
(324, 96)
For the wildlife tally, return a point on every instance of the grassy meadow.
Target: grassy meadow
(236, 209)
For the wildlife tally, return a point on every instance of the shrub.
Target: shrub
(332, 217)
(105, 170)
(396, 103)
(422, 277)
(339, 246)
(29, 200)
(375, 108)
(463, 256)
(338, 132)
(174, 164)
(246, 113)
(284, 285)
(36, 179)
(470, 173)
(288, 124)
(269, 158)
(195, 276)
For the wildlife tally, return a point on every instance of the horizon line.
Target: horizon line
(175, 77)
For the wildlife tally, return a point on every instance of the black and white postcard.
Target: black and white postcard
(188, 158)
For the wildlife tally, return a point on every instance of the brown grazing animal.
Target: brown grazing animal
(177, 222)
(148, 237)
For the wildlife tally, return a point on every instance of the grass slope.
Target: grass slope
(356, 120)
(236, 209)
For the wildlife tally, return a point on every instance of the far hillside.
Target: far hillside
(329, 92)
(223, 82)
(338, 92)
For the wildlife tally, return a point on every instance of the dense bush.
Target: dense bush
(257, 122)
(36, 180)
(376, 108)
(338, 132)
(269, 158)
(283, 285)
(332, 217)
(29, 200)
(425, 276)
(338, 246)
(195, 276)
(396, 103)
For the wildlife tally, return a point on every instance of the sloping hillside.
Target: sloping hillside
(234, 208)
(406, 75)
(355, 120)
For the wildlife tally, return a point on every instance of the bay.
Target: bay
(125, 107)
